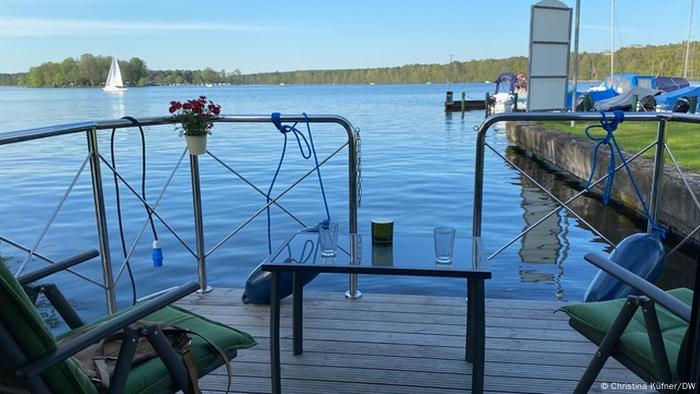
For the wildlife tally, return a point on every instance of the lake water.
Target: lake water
(417, 168)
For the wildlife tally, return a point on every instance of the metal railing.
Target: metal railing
(660, 148)
(97, 161)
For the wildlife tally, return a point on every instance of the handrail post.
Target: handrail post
(101, 220)
(198, 225)
(478, 186)
(353, 292)
(658, 172)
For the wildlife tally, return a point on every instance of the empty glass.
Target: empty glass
(328, 239)
(444, 244)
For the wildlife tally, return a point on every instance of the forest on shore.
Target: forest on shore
(91, 70)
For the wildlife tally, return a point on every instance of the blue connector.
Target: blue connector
(157, 254)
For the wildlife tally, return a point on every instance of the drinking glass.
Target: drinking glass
(444, 244)
(328, 239)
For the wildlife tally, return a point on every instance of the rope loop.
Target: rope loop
(610, 126)
(276, 119)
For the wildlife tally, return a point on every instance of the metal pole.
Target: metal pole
(449, 72)
(101, 221)
(658, 172)
(612, 37)
(479, 179)
(575, 70)
(198, 225)
(353, 292)
(687, 44)
(692, 373)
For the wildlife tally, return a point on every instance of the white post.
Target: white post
(575, 70)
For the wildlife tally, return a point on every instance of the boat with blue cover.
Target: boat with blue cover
(619, 91)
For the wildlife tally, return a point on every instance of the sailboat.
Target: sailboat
(114, 78)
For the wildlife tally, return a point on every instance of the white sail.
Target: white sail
(114, 78)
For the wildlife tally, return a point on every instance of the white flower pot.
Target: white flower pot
(197, 144)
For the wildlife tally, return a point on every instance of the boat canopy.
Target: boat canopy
(669, 84)
(668, 100)
(623, 101)
(624, 82)
(510, 78)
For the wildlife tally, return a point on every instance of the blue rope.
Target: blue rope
(610, 125)
(276, 120)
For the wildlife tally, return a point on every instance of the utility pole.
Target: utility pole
(690, 33)
(449, 71)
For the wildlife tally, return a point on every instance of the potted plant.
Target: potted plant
(196, 119)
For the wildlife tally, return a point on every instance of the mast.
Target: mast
(575, 70)
(612, 37)
(687, 44)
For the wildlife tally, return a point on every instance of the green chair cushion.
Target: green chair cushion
(28, 330)
(152, 376)
(594, 319)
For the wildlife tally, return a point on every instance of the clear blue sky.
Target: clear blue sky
(271, 35)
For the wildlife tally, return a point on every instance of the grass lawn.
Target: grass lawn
(682, 138)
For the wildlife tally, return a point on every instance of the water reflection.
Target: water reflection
(544, 250)
(382, 255)
(117, 101)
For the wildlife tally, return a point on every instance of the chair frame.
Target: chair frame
(30, 371)
(651, 296)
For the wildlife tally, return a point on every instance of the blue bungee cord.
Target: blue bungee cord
(276, 119)
(610, 125)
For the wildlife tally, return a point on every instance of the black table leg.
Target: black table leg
(478, 352)
(470, 345)
(297, 314)
(275, 333)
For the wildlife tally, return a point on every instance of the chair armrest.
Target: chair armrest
(108, 327)
(57, 266)
(644, 287)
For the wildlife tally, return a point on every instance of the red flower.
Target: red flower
(216, 110)
(172, 109)
(187, 106)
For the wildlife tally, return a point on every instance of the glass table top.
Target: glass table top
(405, 253)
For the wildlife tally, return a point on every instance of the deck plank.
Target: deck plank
(388, 343)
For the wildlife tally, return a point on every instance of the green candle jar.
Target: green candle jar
(382, 231)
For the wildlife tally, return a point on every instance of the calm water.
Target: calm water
(417, 168)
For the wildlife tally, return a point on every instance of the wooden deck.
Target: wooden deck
(404, 344)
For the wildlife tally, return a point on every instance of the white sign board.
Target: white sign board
(550, 36)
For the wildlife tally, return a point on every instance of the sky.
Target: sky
(271, 35)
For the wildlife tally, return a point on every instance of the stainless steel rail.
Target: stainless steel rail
(95, 159)
(662, 118)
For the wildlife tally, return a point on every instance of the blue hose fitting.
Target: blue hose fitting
(157, 254)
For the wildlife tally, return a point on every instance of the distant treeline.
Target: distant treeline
(90, 70)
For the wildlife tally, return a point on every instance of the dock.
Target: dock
(386, 343)
(462, 105)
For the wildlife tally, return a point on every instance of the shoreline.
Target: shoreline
(572, 155)
(263, 84)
